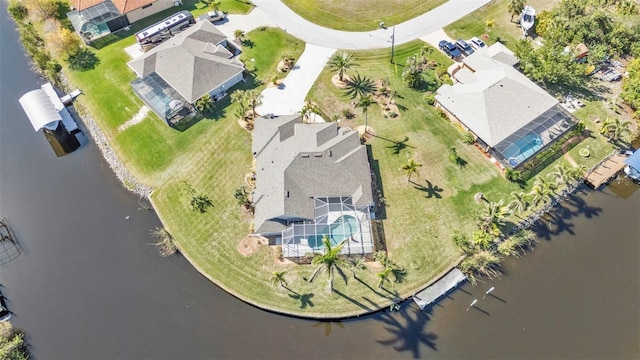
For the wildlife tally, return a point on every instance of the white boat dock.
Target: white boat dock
(439, 288)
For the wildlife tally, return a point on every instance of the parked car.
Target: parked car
(4, 313)
(476, 43)
(464, 47)
(449, 49)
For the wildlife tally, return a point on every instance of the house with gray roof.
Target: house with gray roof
(312, 180)
(189, 65)
(510, 116)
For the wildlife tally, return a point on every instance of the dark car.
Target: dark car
(4, 313)
(464, 47)
(449, 49)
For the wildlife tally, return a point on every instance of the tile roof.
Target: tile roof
(125, 6)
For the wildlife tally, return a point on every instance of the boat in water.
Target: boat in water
(632, 170)
(527, 19)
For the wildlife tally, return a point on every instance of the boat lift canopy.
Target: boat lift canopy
(39, 109)
(634, 160)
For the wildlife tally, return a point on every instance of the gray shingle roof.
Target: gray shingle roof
(193, 62)
(495, 100)
(296, 162)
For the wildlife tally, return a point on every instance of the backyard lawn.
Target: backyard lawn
(360, 15)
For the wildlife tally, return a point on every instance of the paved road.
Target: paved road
(413, 29)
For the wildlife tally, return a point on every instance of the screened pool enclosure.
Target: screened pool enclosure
(338, 219)
(167, 103)
(531, 138)
(97, 21)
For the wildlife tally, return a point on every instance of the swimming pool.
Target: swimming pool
(341, 229)
(522, 149)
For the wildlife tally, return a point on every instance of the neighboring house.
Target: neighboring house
(178, 72)
(510, 116)
(94, 19)
(311, 180)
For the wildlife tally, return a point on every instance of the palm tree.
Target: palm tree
(309, 108)
(357, 265)
(359, 86)
(240, 97)
(238, 34)
(564, 176)
(384, 276)
(328, 261)
(518, 202)
(277, 278)
(363, 103)
(615, 129)
(515, 7)
(340, 62)
(205, 103)
(410, 168)
(492, 217)
(541, 192)
(254, 99)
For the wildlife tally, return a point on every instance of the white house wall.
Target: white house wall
(227, 85)
(154, 8)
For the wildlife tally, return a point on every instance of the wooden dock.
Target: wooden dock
(436, 290)
(606, 171)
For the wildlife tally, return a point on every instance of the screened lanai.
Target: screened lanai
(163, 99)
(531, 138)
(97, 21)
(337, 218)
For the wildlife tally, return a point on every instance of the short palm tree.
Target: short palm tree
(410, 168)
(254, 99)
(309, 108)
(340, 62)
(384, 276)
(359, 86)
(492, 217)
(615, 129)
(363, 103)
(277, 278)
(329, 261)
(238, 34)
(515, 7)
(357, 265)
(541, 192)
(518, 202)
(204, 104)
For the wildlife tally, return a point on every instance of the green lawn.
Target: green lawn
(503, 29)
(360, 15)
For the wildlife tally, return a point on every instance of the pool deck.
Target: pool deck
(606, 171)
(436, 290)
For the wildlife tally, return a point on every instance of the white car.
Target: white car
(476, 43)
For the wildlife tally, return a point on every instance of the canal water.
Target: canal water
(87, 284)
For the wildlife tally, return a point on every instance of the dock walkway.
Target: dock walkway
(436, 290)
(606, 171)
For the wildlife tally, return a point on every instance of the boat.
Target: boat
(527, 19)
(632, 170)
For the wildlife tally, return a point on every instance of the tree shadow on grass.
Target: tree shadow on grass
(433, 191)
(305, 299)
(353, 301)
(83, 60)
(408, 331)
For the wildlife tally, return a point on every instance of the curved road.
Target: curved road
(409, 30)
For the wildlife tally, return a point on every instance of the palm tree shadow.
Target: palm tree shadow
(433, 191)
(397, 146)
(305, 299)
(407, 331)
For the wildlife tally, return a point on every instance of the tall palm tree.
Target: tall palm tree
(518, 202)
(359, 86)
(564, 176)
(410, 168)
(340, 62)
(254, 99)
(329, 261)
(515, 7)
(277, 278)
(363, 103)
(541, 192)
(384, 276)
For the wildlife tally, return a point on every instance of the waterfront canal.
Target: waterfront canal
(88, 284)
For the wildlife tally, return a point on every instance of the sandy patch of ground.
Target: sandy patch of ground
(136, 119)
(250, 244)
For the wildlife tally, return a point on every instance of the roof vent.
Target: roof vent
(286, 193)
(330, 153)
(305, 155)
(317, 154)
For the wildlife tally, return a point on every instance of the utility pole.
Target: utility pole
(393, 42)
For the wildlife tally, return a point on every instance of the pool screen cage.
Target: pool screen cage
(97, 21)
(164, 100)
(330, 218)
(533, 137)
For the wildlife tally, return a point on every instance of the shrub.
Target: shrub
(348, 114)
(18, 10)
(393, 115)
(469, 139)
(430, 99)
(513, 175)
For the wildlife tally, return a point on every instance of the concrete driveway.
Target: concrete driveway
(288, 98)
